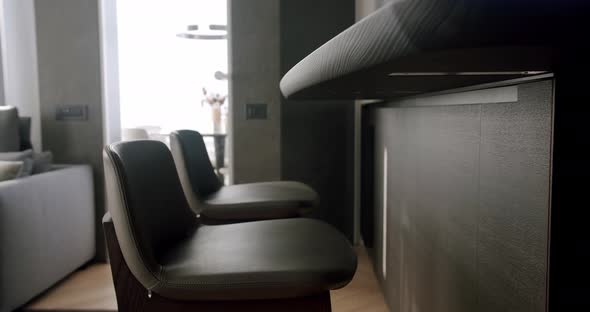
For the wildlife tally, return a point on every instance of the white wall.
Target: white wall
(19, 58)
(109, 57)
(1, 57)
(366, 7)
(254, 49)
(70, 74)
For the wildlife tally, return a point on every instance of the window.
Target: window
(163, 73)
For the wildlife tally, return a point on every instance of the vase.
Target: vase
(216, 115)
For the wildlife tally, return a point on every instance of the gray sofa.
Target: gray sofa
(46, 231)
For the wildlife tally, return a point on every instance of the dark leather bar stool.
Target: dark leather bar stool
(164, 259)
(216, 203)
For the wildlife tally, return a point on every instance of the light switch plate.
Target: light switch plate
(256, 111)
(73, 112)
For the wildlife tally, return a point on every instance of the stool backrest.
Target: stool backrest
(147, 205)
(194, 167)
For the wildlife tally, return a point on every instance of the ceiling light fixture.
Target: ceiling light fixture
(215, 32)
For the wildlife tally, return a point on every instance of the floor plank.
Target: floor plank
(87, 290)
(91, 290)
(363, 293)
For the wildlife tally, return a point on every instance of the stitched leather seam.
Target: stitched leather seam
(232, 284)
(276, 282)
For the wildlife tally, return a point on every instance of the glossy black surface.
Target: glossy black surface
(569, 256)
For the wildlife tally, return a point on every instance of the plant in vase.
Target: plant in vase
(216, 101)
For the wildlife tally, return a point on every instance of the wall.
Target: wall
(462, 199)
(20, 62)
(310, 142)
(2, 99)
(255, 145)
(109, 55)
(69, 57)
(317, 137)
(365, 7)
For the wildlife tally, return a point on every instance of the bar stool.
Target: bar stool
(165, 259)
(216, 203)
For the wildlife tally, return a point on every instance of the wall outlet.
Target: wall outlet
(256, 111)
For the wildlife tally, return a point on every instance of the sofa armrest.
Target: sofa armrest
(47, 230)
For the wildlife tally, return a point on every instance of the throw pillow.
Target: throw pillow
(27, 168)
(10, 169)
(42, 162)
(9, 129)
(16, 156)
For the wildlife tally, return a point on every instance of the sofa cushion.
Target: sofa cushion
(9, 129)
(42, 162)
(10, 169)
(34, 162)
(27, 168)
(16, 156)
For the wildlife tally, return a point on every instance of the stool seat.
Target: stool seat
(260, 201)
(257, 260)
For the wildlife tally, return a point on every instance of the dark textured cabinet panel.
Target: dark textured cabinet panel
(466, 191)
(514, 201)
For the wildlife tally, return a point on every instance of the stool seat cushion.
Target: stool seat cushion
(257, 260)
(260, 201)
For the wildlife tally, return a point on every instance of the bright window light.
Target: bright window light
(162, 75)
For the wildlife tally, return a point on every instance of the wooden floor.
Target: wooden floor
(91, 290)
